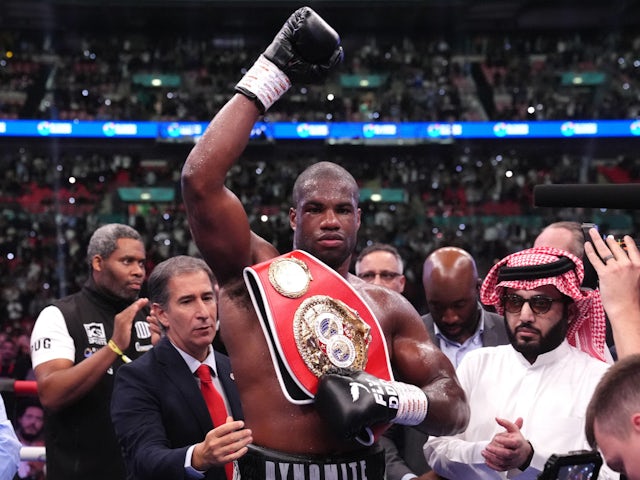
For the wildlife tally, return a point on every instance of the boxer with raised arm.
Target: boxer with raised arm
(323, 361)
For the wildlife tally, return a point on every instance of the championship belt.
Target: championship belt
(314, 321)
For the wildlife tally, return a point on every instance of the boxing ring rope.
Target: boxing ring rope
(24, 388)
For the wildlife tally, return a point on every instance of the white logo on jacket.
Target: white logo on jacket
(95, 333)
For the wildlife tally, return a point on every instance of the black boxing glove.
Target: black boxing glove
(305, 50)
(352, 402)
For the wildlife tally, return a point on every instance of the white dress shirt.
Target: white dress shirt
(551, 396)
(193, 365)
(9, 446)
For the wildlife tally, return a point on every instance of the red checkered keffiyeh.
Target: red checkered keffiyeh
(525, 270)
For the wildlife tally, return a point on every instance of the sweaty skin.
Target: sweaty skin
(325, 220)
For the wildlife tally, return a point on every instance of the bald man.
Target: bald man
(565, 235)
(457, 323)
(456, 320)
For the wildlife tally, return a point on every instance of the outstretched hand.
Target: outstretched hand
(225, 443)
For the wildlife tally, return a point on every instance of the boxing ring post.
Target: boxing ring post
(24, 388)
(21, 388)
(33, 454)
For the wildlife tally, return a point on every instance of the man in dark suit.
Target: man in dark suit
(160, 416)
(457, 323)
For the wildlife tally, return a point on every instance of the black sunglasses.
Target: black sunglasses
(540, 304)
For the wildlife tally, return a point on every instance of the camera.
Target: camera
(577, 465)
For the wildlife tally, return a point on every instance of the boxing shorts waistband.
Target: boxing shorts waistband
(261, 463)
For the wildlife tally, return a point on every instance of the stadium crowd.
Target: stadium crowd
(481, 202)
(92, 76)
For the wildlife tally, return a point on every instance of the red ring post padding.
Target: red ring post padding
(25, 387)
(19, 387)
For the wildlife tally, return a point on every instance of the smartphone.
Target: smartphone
(590, 275)
(586, 226)
(578, 465)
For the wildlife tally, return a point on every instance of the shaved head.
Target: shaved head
(325, 217)
(307, 181)
(450, 262)
(450, 281)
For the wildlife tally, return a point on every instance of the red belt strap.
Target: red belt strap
(313, 319)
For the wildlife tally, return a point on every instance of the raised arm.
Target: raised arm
(619, 282)
(217, 218)
(60, 382)
(305, 50)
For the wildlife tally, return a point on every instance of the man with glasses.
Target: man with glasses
(381, 264)
(528, 399)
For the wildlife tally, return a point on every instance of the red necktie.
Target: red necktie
(215, 404)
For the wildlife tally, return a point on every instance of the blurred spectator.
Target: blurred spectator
(29, 427)
(11, 366)
(381, 264)
(13, 363)
(566, 235)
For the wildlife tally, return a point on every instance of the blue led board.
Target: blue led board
(339, 131)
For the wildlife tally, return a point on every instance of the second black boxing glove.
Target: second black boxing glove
(305, 50)
(352, 403)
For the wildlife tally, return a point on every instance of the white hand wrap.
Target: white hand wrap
(266, 81)
(413, 404)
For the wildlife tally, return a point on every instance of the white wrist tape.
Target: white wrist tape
(413, 404)
(266, 81)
